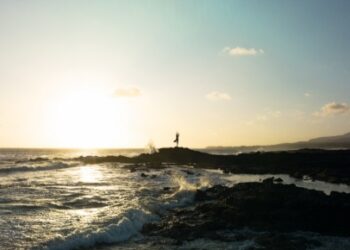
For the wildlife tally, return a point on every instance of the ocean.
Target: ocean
(55, 202)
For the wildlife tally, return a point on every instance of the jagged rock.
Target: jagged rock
(278, 180)
(188, 172)
(259, 206)
(325, 165)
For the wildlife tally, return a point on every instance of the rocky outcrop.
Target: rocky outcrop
(260, 206)
(326, 165)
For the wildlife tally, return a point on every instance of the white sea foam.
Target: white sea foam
(121, 201)
(28, 168)
(127, 225)
(130, 222)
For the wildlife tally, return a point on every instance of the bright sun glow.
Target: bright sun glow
(89, 174)
(87, 119)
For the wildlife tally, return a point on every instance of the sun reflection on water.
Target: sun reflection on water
(85, 215)
(90, 174)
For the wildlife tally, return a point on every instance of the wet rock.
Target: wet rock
(276, 241)
(269, 180)
(278, 180)
(325, 165)
(136, 167)
(209, 194)
(39, 159)
(259, 206)
(188, 172)
(155, 165)
(306, 178)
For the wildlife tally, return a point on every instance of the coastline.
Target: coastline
(324, 165)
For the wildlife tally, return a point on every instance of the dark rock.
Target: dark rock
(278, 180)
(276, 241)
(188, 172)
(136, 167)
(143, 175)
(268, 180)
(259, 206)
(39, 159)
(325, 165)
(306, 178)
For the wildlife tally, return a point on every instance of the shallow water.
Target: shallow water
(59, 204)
(306, 183)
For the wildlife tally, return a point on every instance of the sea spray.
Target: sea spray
(127, 225)
(42, 167)
(69, 206)
(130, 222)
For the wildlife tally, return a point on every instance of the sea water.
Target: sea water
(59, 203)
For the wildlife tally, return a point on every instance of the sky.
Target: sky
(126, 73)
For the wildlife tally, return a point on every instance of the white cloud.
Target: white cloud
(307, 94)
(127, 92)
(240, 51)
(217, 96)
(333, 108)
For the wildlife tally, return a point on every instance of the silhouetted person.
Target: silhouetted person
(177, 139)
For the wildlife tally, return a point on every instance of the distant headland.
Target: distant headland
(327, 142)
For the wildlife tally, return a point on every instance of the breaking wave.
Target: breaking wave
(127, 225)
(29, 168)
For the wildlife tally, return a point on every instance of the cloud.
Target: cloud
(217, 96)
(333, 108)
(127, 92)
(240, 51)
(307, 94)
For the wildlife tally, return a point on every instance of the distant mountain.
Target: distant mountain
(332, 139)
(329, 142)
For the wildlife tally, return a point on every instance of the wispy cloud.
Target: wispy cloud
(218, 96)
(240, 51)
(306, 94)
(127, 92)
(333, 108)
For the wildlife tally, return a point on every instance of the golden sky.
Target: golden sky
(122, 73)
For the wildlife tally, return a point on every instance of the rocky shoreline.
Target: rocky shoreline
(324, 165)
(267, 207)
(271, 214)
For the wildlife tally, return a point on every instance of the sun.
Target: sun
(87, 118)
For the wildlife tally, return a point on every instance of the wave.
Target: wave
(29, 168)
(85, 202)
(128, 225)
